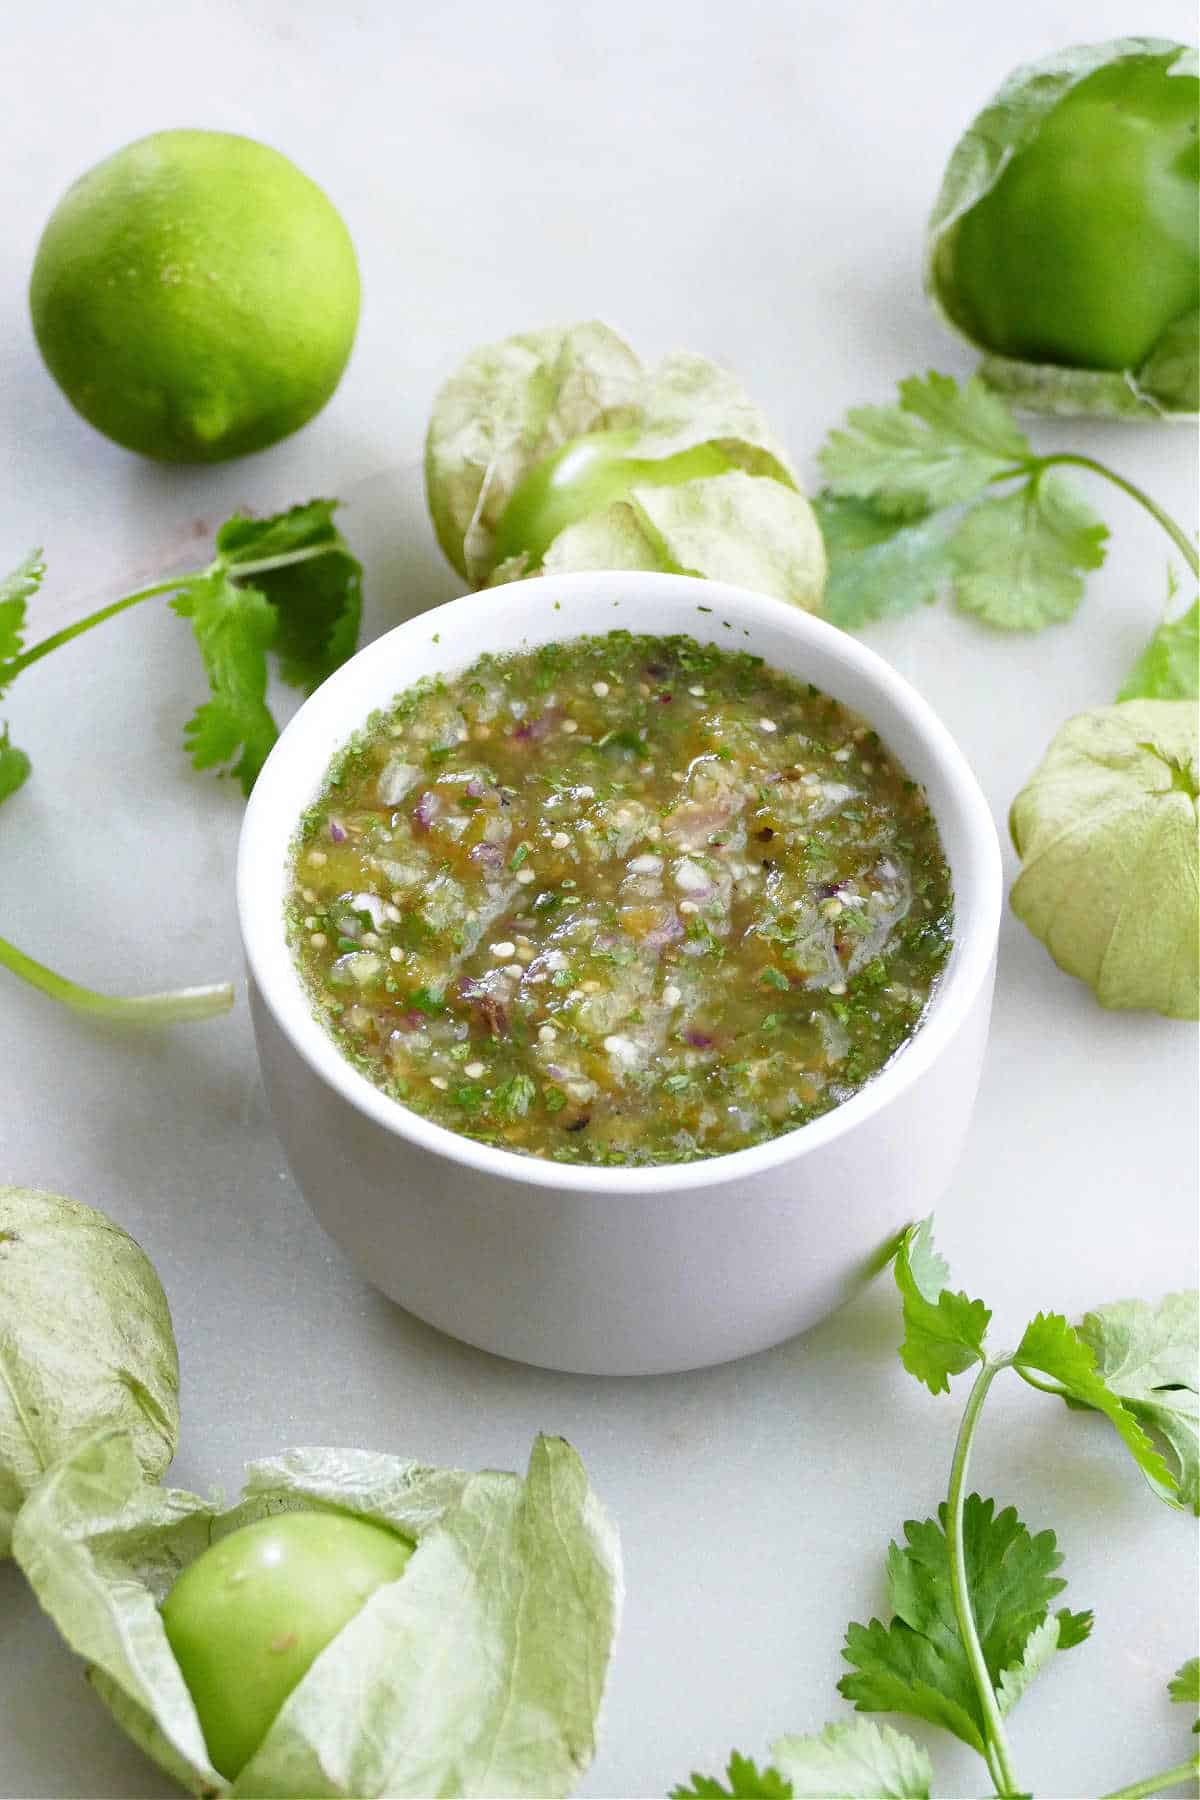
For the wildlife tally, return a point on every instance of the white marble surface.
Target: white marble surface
(750, 180)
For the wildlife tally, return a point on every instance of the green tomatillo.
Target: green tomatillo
(1066, 238)
(556, 450)
(251, 1615)
(585, 476)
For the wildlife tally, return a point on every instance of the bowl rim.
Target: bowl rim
(277, 982)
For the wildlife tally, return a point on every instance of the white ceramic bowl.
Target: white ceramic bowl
(619, 1271)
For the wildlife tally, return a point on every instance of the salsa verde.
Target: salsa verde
(619, 900)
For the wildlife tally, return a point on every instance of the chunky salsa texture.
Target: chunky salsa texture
(619, 900)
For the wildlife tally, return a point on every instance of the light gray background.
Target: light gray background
(750, 180)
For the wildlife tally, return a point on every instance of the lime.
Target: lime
(195, 296)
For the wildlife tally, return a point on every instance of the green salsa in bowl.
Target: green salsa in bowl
(653, 1133)
(619, 900)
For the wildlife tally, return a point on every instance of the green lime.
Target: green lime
(195, 296)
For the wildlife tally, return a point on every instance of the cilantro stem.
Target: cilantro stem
(10, 670)
(241, 571)
(141, 1009)
(236, 572)
(1154, 1784)
(1175, 532)
(999, 1755)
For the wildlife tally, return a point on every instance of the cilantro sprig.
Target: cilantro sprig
(287, 585)
(1169, 666)
(973, 1591)
(943, 490)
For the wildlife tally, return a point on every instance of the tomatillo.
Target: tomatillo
(1066, 238)
(586, 475)
(1088, 246)
(251, 1615)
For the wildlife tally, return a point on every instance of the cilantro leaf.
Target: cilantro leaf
(943, 1331)
(942, 445)
(234, 627)
(900, 1671)
(1146, 1355)
(14, 765)
(15, 589)
(917, 1664)
(1019, 561)
(1169, 666)
(1057, 1631)
(514, 1097)
(316, 589)
(1051, 1347)
(880, 566)
(746, 1782)
(1184, 1685)
(287, 583)
(857, 1760)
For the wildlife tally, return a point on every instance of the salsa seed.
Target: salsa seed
(672, 996)
(439, 1081)
(560, 840)
(309, 894)
(474, 1069)
(317, 858)
(396, 953)
(600, 689)
(547, 1034)
(310, 924)
(500, 951)
(570, 726)
(837, 987)
(697, 691)
(767, 725)
(515, 970)
(525, 876)
(318, 940)
(688, 906)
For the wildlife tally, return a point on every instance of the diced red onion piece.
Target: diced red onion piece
(669, 932)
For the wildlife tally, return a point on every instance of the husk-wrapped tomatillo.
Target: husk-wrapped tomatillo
(1064, 239)
(479, 1671)
(556, 450)
(1106, 828)
(85, 1342)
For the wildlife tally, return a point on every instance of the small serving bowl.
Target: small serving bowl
(599, 1270)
